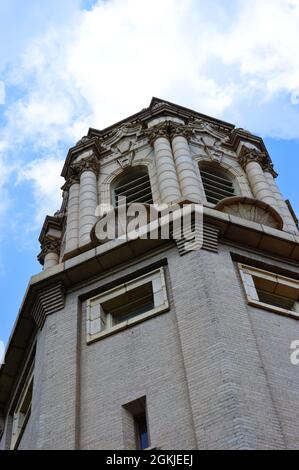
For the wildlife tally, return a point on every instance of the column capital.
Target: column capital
(49, 245)
(72, 179)
(270, 169)
(180, 130)
(86, 164)
(248, 155)
(160, 130)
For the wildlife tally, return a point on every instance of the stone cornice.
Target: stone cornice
(87, 143)
(52, 222)
(159, 107)
(239, 136)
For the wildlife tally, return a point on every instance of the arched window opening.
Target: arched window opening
(217, 184)
(135, 186)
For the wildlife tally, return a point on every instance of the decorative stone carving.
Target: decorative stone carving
(270, 169)
(160, 130)
(91, 163)
(83, 140)
(253, 155)
(213, 151)
(127, 130)
(73, 178)
(159, 105)
(49, 245)
(126, 160)
(251, 209)
(176, 130)
(168, 129)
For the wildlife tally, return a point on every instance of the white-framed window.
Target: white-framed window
(126, 304)
(270, 291)
(22, 411)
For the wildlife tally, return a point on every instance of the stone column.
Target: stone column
(88, 197)
(282, 208)
(166, 171)
(51, 259)
(185, 166)
(252, 161)
(49, 256)
(72, 222)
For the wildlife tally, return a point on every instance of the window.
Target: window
(141, 431)
(135, 426)
(271, 291)
(135, 185)
(126, 304)
(217, 184)
(22, 411)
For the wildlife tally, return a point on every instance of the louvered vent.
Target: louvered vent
(210, 239)
(136, 187)
(216, 186)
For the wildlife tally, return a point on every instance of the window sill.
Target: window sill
(273, 308)
(128, 323)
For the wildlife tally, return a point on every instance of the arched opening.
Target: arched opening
(133, 184)
(217, 183)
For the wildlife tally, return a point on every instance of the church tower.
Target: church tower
(141, 343)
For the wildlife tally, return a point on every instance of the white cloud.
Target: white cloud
(44, 174)
(2, 92)
(236, 60)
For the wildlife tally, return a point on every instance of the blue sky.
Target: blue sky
(67, 66)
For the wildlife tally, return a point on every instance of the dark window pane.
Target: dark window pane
(142, 433)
